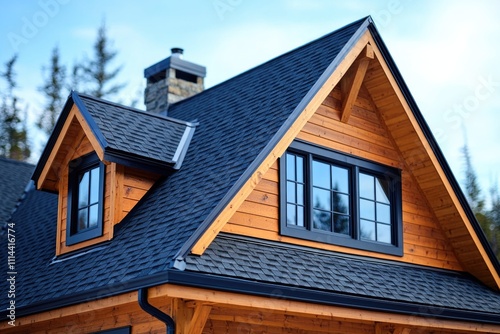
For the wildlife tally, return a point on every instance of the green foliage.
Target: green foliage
(13, 131)
(96, 73)
(52, 90)
(489, 219)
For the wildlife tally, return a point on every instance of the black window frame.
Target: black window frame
(78, 167)
(355, 165)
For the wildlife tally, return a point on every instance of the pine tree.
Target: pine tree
(13, 132)
(472, 189)
(494, 217)
(96, 71)
(52, 89)
(487, 219)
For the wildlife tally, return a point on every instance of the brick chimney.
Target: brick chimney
(171, 80)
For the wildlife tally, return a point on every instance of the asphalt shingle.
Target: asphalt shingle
(14, 177)
(333, 272)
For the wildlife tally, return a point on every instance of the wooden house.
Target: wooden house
(306, 195)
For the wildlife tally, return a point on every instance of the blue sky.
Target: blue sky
(446, 50)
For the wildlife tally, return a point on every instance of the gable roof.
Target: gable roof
(14, 177)
(240, 121)
(125, 135)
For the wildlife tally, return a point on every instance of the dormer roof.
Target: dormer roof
(120, 134)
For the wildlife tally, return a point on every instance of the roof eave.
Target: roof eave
(241, 286)
(139, 162)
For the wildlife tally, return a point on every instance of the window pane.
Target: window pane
(367, 209)
(321, 199)
(340, 178)
(94, 185)
(300, 169)
(367, 230)
(366, 186)
(82, 219)
(322, 220)
(321, 174)
(290, 167)
(384, 233)
(382, 190)
(340, 203)
(341, 224)
(291, 218)
(94, 215)
(383, 213)
(300, 194)
(83, 190)
(290, 192)
(300, 216)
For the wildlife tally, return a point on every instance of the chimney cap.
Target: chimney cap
(177, 51)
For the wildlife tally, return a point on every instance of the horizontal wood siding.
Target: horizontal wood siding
(135, 185)
(364, 135)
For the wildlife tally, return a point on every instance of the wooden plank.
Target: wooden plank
(253, 221)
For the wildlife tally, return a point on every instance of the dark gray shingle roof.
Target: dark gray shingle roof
(273, 262)
(236, 120)
(134, 132)
(14, 177)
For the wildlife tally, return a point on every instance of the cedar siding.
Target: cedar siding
(364, 135)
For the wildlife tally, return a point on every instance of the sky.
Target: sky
(446, 50)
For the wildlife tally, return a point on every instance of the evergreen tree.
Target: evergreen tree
(488, 219)
(96, 71)
(472, 188)
(494, 218)
(13, 132)
(53, 91)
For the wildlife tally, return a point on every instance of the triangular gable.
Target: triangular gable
(420, 151)
(70, 125)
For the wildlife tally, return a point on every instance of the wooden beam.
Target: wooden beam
(280, 148)
(190, 316)
(269, 304)
(385, 328)
(351, 83)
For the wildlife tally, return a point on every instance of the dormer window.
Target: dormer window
(85, 199)
(331, 197)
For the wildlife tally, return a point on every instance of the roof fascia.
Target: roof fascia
(89, 125)
(183, 146)
(216, 219)
(409, 103)
(137, 161)
(73, 109)
(240, 286)
(53, 138)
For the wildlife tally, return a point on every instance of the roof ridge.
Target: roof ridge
(273, 60)
(133, 109)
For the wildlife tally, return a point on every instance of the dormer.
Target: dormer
(101, 159)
